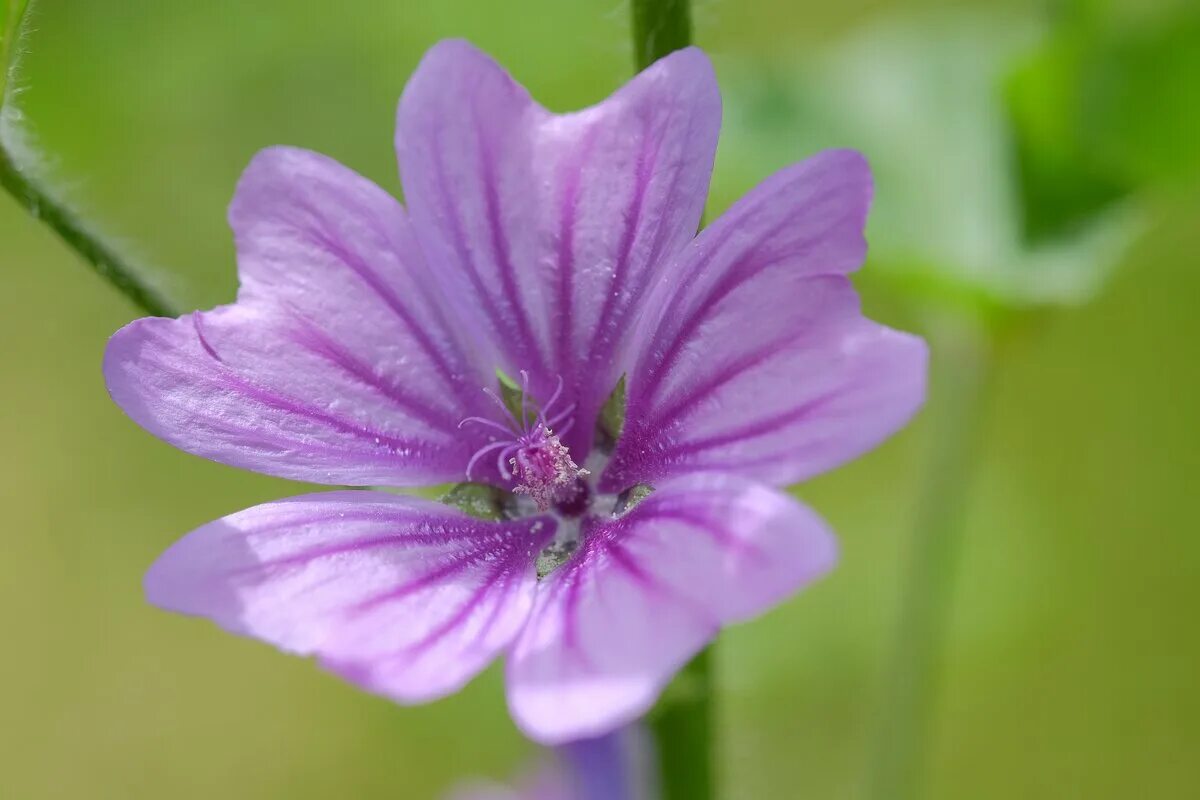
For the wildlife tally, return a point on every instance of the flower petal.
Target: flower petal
(404, 597)
(758, 360)
(647, 591)
(336, 365)
(554, 225)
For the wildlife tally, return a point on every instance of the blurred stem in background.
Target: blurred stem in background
(682, 724)
(682, 721)
(659, 27)
(962, 356)
(18, 177)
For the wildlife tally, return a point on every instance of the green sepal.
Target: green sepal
(612, 416)
(477, 499)
(553, 556)
(510, 393)
(629, 498)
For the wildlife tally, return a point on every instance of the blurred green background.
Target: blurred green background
(1072, 667)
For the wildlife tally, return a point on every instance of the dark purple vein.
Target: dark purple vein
(459, 243)
(501, 249)
(748, 361)
(385, 293)
(752, 430)
(643, 173)
(237, 383)
(457, 563)
(571, 180)
(741, 271)
(487, 585)
(319, 343)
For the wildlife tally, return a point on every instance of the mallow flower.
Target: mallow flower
(366, 346)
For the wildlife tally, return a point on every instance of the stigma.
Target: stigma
(544, 469)
(533, 456)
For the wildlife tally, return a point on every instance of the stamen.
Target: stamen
(480, 453)
(553, 399)
(561, 432)
(545, 469)
(523, 421)
(532, 453)
(489, 422)
(553, 424)
(499, 403)
(503, 459)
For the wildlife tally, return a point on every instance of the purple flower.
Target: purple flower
(616, 766)
(549, 782)
(560, 248)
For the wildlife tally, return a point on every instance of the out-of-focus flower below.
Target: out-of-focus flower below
(617, 766)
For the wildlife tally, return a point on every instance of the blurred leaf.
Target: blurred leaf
(1138, 101)
(1105, 104)
(1060, 186)
(922, 98)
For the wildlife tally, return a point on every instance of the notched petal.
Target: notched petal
(756, 359)
(646, 591)
(554, 226)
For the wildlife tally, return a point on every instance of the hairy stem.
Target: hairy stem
(40, 201)
(101, 255)
(913, 670)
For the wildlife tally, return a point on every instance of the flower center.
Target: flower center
(543, 468)
(532, 455)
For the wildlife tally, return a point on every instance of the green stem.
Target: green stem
(682, 726)
(913, 670)
(660, 27)
(103, 258)
(682, 721)
(40, 201)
